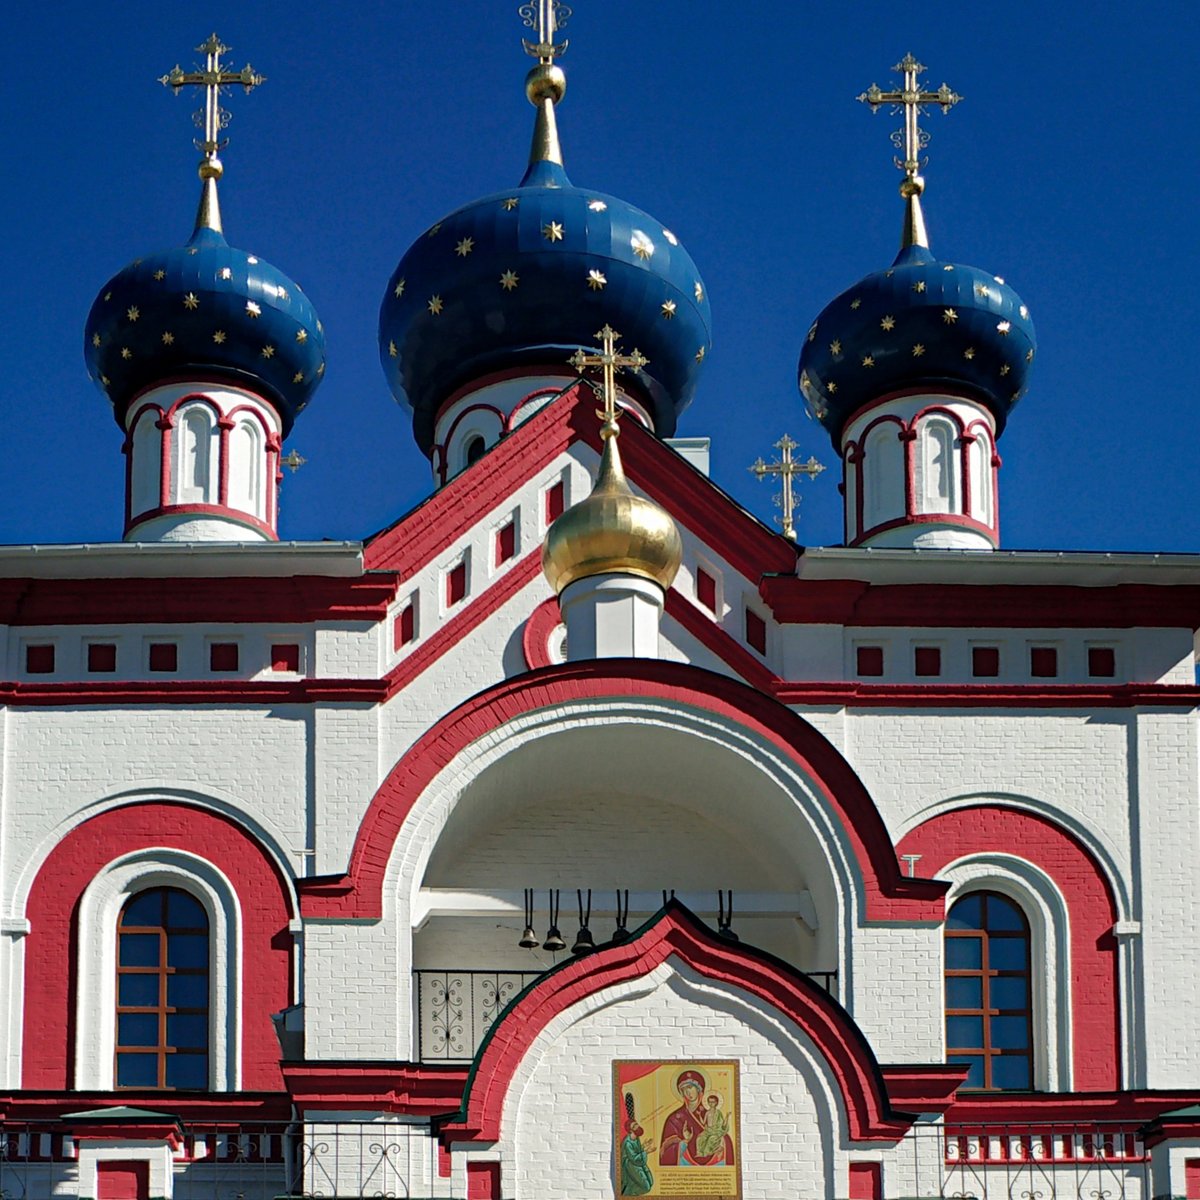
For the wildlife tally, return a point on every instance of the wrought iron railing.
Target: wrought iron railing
(455, 1009)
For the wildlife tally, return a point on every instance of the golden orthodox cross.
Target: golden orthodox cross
(910, 99)
(213, 78)
(787, 469)
(547, 17)
(293, 461)
(611, 362)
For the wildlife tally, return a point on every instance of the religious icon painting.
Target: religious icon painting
(676, 1129)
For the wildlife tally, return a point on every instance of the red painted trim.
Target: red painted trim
(1038, 1109)
(535, 636)
(1090, 904)
(511, 422)
(224, 425)
(48, 1057)
(980, 606)
(906, 393)
(529, 371)
(194, 691)
(165, 426)
(296, 599)
(483, 1181)
(440, 448)
(193, 398)
(148, 1131)
(419, 1089)
(229, 1108)
(676, 933)
(889, 895)
(443, 1160)
(956, 520)
(204, 510)
(969, 695)
(714, 638)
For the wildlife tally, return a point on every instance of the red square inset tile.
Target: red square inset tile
(285, 656)
(1102, 662)
(756, 631)
(456, 583)
(706, 589)
(927, 660)
(164, 656)
(404, 627)
(556, 499)
(223, 656)
(985, 661)
(101, 657)
(869, 660)
(39, 660)
(1043, 662)
(506, 542)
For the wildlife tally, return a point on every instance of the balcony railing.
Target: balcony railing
(455, 1009)
(350, 1160)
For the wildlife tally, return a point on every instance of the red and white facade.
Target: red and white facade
(355, 759)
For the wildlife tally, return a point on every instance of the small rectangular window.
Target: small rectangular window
(506, 542)
(556, 499)
(223, 656)
(1102, 662)
(869, 661)
(285, 656)
(404, 627)
(456, 583)
(985, 662)
(1043, 662)
(706, 590)
(164, 656)
(101, 657)
(39, 660)
(927, 660)
(756, 631)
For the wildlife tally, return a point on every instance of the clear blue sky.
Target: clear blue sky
(1070, 169)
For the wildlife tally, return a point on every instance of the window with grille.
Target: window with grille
(989, 1025)
(162, 991)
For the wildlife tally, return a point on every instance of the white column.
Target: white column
(612, 616)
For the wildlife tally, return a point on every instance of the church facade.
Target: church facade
(577, 836)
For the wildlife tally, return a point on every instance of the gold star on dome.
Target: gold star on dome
(997, 279)
(1004, 369)
(219, 337)
(251, 259)
(132, 312)
(226, 273)
(868, 361)
(982, 291)
(321, 368)
(160, 275)
(168, 338)
(812, 333)
(700, 354)
(465, 247)
(126, 352)
(1029, 354)
(252, 309)
(433, 229)
(831, 387)
(969, 353)
(949, 316)
(835, 347)
(320, 327)
(670, 237)
(699, 292)
(948, 267)
(194, 250)
(104, 380)
(918, 350)
(1024, 313)
(392, 351)
(1002, 328)
(509, 280)
(597, 205)
(553, 232)
(596, 280)
(398, 290)
(268, 351)
(435, 305)
(108, 295)
(298, 377)
(509, 204)
(302, 336)
(641, 245)
(95, 339)
(856, 303)
(919, 286)
(888, 323)
(281, 294)
(889, 273)
(668, 309)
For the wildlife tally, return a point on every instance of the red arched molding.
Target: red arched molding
(50, 949)
(676, 932)
(983, 828)
(890, 896)
(535, 638)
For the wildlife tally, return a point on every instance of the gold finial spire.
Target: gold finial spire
(610, 362)
(214, 79)
(545, 85)
(912, 139)
(787, 470)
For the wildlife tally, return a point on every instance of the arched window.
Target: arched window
(476, 447)
(989, 1024)
(162, 991)
(937, 467)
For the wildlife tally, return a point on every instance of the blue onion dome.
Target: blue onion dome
(205, 311)
(528, 275)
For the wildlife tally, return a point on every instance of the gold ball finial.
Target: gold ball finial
(912, 185)
(546, 81)
(211, 168)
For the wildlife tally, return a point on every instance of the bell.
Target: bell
(583, 941)
(554, 940)
(529, 939)
(620, 934)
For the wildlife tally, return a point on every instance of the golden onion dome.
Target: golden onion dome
(612, 532)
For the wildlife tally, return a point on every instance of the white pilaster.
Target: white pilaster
(612, 616)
